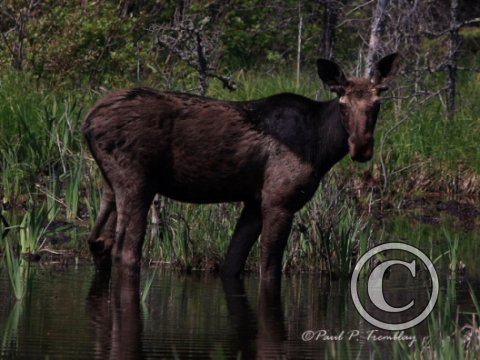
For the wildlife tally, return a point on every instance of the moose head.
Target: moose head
(359, 101)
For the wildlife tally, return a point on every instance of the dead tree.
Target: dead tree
(409, 24)
(453, 46)
(374, 44)
(195, 45)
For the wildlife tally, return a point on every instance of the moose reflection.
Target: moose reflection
(269, 154)
(114, 307)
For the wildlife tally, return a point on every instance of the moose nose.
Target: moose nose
(363, 156)
(361, 151)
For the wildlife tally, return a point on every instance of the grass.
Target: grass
(19, 273)
(33, 227)
(328, 233)
(73, 182)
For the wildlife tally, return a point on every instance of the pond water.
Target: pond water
(70, 312)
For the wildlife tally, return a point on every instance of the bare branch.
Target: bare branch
(195, 45)
(470, 22)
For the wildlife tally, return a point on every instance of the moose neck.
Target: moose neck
(332, 136)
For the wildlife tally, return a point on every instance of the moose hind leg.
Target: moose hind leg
(246, 232)
(132, 207)
(102, 236)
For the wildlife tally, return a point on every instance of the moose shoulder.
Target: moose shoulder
(269, 154)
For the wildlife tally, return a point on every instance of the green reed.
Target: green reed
(19, 272)
(53, 195)
(10, 331)
(455, 264)
(73, 182)
(33, 227)
(147, 286)
(17, 175)
(92, 202)
(328, 233)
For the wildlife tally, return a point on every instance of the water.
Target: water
(69, 312)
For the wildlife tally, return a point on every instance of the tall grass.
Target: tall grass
(328, 233)
(72, 189)
(34, 225)
(420, 148)
(39, 130)
(53, 195)
(19, 273)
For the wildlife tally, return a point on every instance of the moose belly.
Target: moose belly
(213, 175)
(219, 165)
(211, 186)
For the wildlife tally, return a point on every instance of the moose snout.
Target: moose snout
(361, 150)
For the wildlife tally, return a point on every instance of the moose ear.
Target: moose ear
(386, 68)
(331, 74)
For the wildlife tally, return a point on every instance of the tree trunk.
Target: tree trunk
(299, 44)
(453, 46)
(378, 24)
(330, 17)
(202, 64)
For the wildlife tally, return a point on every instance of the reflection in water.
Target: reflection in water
(69, 315)
(114, 307)
(271, 332)
(116, 314)
(266, 330)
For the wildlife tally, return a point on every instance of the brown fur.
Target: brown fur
(269, 153)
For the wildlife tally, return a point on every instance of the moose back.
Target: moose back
(269, 154)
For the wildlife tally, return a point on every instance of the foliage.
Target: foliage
(110, 43)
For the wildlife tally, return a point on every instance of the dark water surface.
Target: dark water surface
(69, 313)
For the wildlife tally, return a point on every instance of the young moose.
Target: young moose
(269, 154)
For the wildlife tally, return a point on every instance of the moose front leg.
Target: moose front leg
(247, 230)
(277, 223)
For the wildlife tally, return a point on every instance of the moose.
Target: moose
(269, 154)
